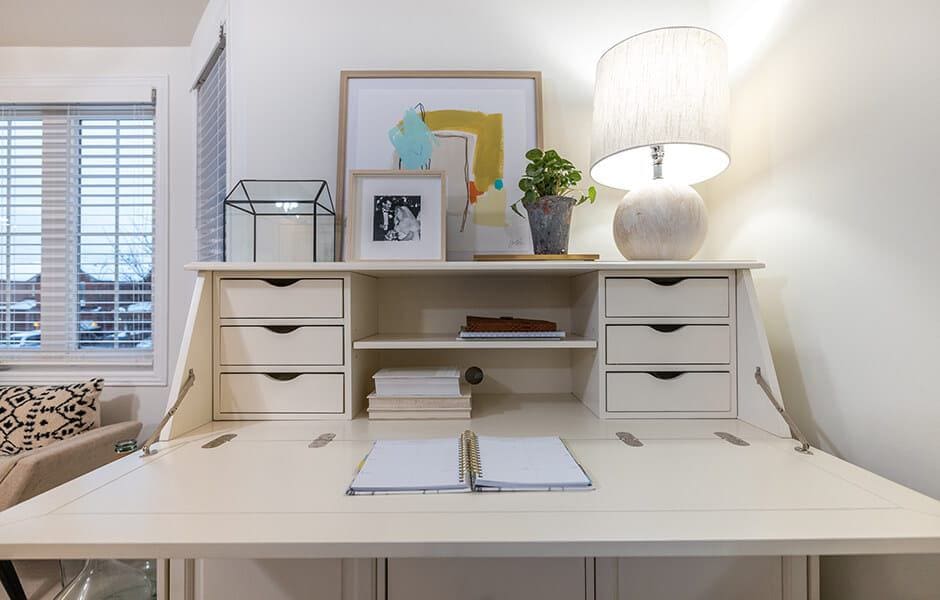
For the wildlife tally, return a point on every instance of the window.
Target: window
(77, 188)
(211, 158)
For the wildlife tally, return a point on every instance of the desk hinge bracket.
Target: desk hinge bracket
(187, 385)
(731, 438)
(322, 440)
(216, 442)
(795, 433)
(629, 439)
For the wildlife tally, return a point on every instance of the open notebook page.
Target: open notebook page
(528, 463)
(411, 466)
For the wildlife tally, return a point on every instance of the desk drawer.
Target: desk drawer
(281, 345)
(668, 392)
(667, 297)
(281, 298)
(668, 344)
(271, 393)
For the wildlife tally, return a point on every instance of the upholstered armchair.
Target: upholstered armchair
(31, 473)
(48, 436)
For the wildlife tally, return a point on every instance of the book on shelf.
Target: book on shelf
(469, 463)
(379, 402)
(510, 335)
(508, 324)
(418, 414)
(420, 381)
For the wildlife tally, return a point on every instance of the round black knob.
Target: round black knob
(474, 375)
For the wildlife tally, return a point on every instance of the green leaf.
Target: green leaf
(533, 154)
(515, 209)
(549, 174)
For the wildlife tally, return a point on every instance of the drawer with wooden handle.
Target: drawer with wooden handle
(280, 297)
(279, 393)
(668, 344)
(667, 296)
(288, 345)
(669, 391)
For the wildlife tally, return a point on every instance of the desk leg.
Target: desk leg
(381, 579)
(11, 581)
(800, 577)
(361, 579)
(590, 579)
(176, 579)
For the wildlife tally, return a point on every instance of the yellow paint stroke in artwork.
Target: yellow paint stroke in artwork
(490, 209)
(488, 129)
(487, 165)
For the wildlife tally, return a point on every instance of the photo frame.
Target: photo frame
(396, 215)
(476, 126)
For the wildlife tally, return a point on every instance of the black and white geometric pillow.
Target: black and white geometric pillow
(32, 416)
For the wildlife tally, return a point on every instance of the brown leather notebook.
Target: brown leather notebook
(494, 324)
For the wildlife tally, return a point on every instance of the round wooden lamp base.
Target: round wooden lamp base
(660, 220)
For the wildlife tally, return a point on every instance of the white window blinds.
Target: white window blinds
(77, 233)
(211, 161)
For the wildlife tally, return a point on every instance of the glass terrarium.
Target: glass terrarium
(280, 220)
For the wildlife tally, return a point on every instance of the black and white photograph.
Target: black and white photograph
(396, 215)
(396, 218)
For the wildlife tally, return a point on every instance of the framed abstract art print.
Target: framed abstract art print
(396, 215)
(475, 126)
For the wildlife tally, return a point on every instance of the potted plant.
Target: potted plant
(547, 188)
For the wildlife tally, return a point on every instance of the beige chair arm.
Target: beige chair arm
(59, 462)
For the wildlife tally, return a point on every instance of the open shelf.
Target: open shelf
(431, 341)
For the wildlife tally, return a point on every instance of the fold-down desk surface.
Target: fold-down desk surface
(267, 494)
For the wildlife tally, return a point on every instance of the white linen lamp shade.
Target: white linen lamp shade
(661, 114)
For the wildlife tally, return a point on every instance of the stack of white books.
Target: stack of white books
(419, 393)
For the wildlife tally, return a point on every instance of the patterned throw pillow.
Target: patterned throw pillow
(32, 416)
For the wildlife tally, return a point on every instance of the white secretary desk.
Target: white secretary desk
(700, 493)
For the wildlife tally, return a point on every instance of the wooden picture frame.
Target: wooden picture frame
(532, 79)
(433, 213)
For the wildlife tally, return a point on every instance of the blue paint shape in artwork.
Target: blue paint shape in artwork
(498, 184)
(413, 140)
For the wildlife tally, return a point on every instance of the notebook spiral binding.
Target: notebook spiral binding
(469, 462)
(462, 454)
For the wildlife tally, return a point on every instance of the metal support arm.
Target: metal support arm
(795, 432)
(187, 385)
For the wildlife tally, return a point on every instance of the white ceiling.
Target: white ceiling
(99, 22)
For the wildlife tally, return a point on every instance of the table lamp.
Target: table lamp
(660, 125)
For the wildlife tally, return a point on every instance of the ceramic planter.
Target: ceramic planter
(550, 222)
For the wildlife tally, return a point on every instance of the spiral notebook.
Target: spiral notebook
(469, 463)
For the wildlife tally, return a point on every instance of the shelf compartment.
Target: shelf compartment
(431, 341)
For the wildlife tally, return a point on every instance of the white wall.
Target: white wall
(143, 403)
(833, 150)
(286, 56)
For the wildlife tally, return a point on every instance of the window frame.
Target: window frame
(116, 372)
